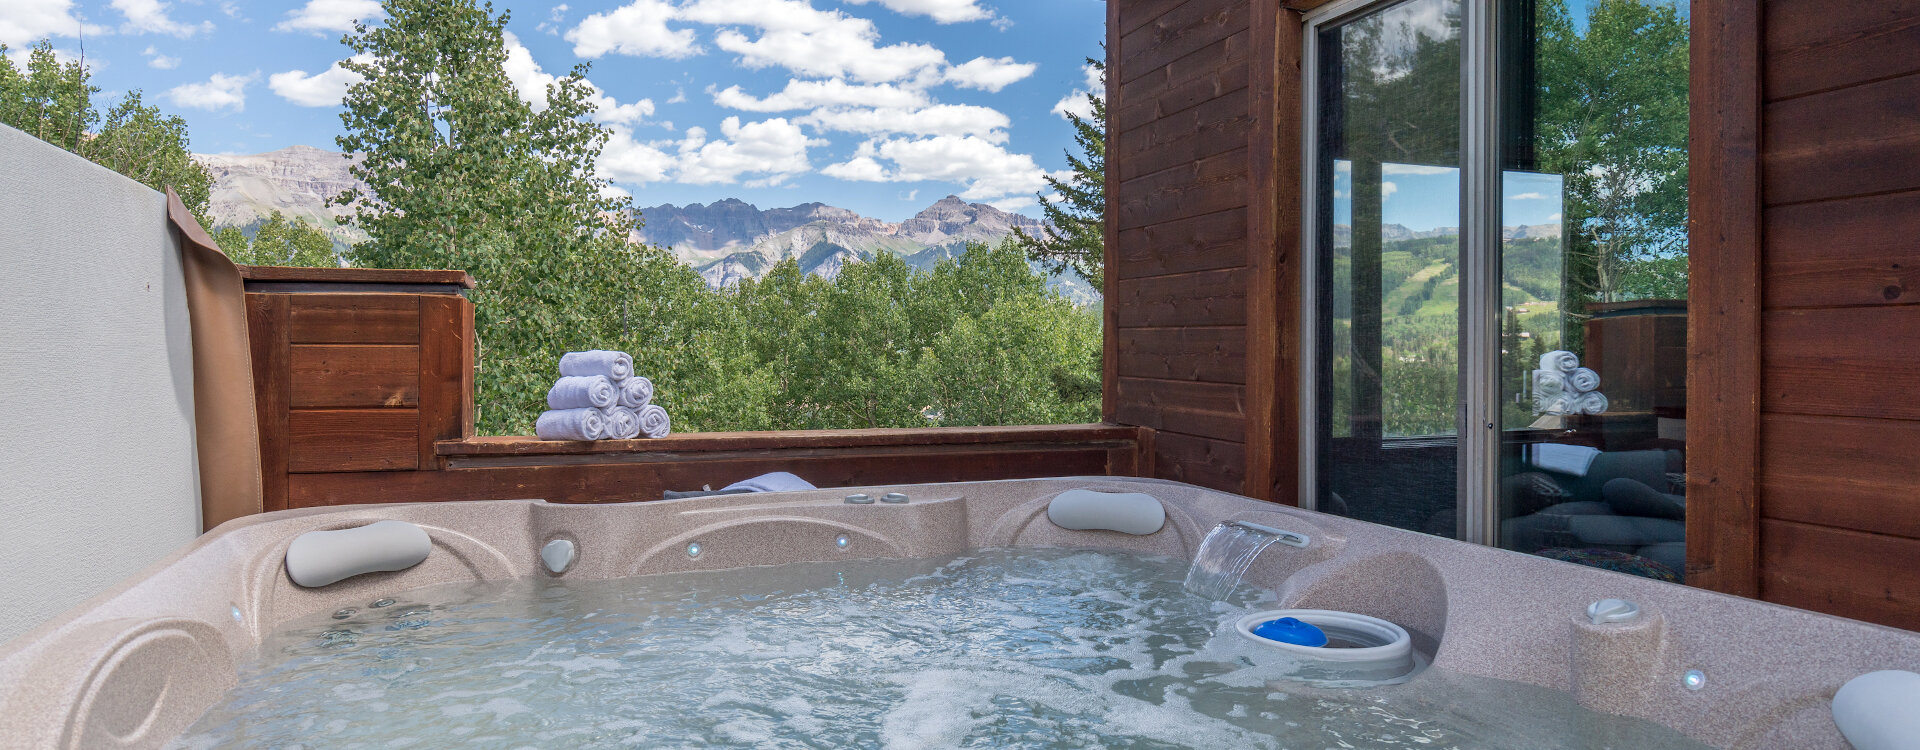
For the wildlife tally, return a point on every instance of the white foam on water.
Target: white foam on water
(999, 648)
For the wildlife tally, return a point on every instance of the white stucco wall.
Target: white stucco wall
(97, 468)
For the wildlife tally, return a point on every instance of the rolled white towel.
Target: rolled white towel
(1560, 361)
(654, 422)
(636, 392)
(582, 392)
(617, 366)
(1591, 402)
(1560, 405)
(1582, 380)
(571, 424)
(1548, 383)
(622, 423)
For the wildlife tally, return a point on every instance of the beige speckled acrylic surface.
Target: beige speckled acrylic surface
(136, 665)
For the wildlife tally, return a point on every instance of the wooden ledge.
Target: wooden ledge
(336, 277)
(706, 442)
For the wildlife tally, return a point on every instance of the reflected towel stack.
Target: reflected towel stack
(1562, 387)
(599, 398)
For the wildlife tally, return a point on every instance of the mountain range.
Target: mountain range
(1343, 234)
(296, 181)
(729, 240)
(726, 241)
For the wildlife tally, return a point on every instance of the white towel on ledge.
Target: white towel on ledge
(1582, 380)
(1549, 383)
(1593, 402)
(571, 424)
(773, 481)
(622, 423)
(1560, 361)
(636, 392)
(617, 366)
(1566, 459)
(654, 422)
(582, 392)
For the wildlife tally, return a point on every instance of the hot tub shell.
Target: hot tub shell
(135, 666)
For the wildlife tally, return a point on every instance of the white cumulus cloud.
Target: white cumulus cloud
(986, 169)
(807, 41)
(222, 91)
(771, 151)
(943, 11)
(938, 119)
(1076, 102)
(330, 15)
(23, 22)
(813, 94)
(624, 159)
(1415, 169)
(150, 16)
(989, 73)
(160, 61)
(756, 154)
(637, 28)
(323, 89)
(531, 83)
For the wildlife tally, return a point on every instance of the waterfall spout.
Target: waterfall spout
(1228, 551)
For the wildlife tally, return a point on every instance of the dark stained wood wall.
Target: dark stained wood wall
(1838, 480)
(1805, 313)
(1200, 291)
(356, 373)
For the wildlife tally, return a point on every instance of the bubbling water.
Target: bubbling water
(1000, 648)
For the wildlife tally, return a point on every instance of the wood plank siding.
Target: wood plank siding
(1805, 312)
(1202, 168)
(1806, 316)
(1839, 338)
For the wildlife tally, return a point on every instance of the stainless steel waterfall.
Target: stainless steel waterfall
(1228, 551)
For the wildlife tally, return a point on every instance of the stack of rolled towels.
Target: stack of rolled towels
(599, 398)
(1561, 386)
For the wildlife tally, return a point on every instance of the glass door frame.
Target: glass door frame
(1476, 420)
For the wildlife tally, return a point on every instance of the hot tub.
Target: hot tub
(962, 616)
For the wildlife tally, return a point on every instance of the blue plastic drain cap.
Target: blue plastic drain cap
(1290, 630)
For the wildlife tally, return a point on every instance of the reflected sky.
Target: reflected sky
(1424, 198)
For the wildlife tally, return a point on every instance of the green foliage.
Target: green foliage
(461, 173)
(1612, 121)
(53, 101)
(1074, 238)
(279, 241)
(1610, 117)
(976, 340)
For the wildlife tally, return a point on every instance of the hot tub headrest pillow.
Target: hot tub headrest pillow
(318, 558)
(1880, 710)
(1126, 512)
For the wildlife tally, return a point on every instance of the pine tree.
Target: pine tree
(1075, 235)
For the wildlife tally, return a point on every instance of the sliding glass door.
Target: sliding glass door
(1387, 159)
(1496, 195)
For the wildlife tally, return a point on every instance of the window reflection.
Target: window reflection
(1388, 155)
(1594, 267)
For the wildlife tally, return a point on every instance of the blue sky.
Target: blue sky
(1424, 198)
(880, 106)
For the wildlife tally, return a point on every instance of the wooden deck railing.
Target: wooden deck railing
(363, 381)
